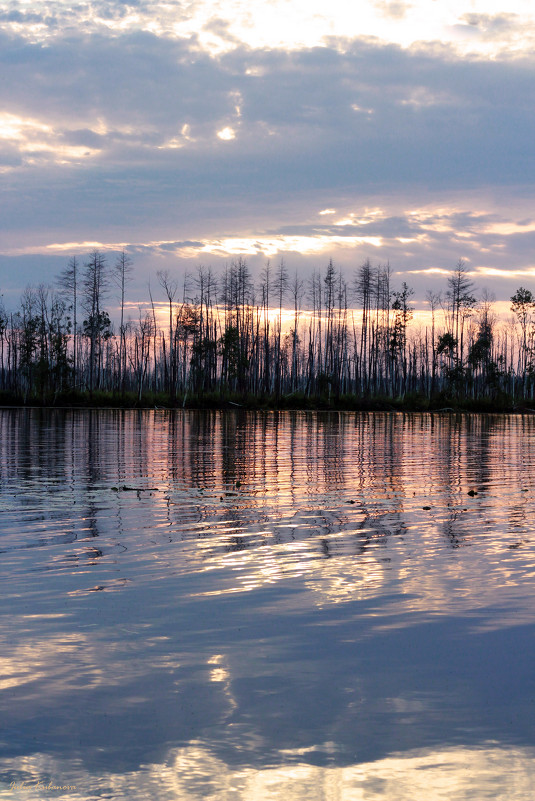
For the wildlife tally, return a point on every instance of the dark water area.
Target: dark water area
(246, 605)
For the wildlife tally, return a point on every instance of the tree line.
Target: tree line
(279, 340)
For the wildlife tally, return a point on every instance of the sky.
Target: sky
(191, 133)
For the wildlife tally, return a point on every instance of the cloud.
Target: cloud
(115, 133)
(423, 116)
(222, 25)
(394, 9)
(494, 26)
(423, 243)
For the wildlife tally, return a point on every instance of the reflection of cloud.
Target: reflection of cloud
(34, 661)
(194, 772)
(219, 673)
(298, 518)
(340, 581)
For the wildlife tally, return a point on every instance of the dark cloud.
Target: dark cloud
(374, 114)
(318, 127)
(493, 25)
(22, 17)
(84, 136)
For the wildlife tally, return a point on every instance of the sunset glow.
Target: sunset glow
(267, 390)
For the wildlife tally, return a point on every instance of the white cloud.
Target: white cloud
(221, 25)
(227, 134)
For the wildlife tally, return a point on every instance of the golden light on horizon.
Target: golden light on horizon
(272, 245)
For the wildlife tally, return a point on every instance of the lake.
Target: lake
(281, 605)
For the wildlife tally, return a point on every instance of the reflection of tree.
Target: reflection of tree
(93, 467)
(284, 477)
(290, 476)
(472, 452)
(236, 481)
(326, 524)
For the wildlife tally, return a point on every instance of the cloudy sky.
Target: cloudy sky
(191, 132)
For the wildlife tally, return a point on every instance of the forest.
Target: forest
(278, 342)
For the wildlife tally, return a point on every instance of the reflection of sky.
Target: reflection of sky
(489, 772)
(348, 504)
(216, 602)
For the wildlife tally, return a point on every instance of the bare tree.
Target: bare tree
(97, 323)
(433, 299)
(363, 287)
(122, 274)
(297, 295)
(68, 281)
(462, 303)
(170, 288)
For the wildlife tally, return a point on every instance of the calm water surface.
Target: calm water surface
(232, 606)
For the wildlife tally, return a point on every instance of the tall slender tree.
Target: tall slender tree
(462, 302)
(122, 274)
(170, 287)
(97, 324)
(68, 281)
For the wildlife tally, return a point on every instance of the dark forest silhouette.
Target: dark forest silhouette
(279, 341)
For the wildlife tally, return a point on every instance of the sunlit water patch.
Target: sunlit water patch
(231, 605)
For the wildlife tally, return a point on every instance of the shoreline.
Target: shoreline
(354, 405)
